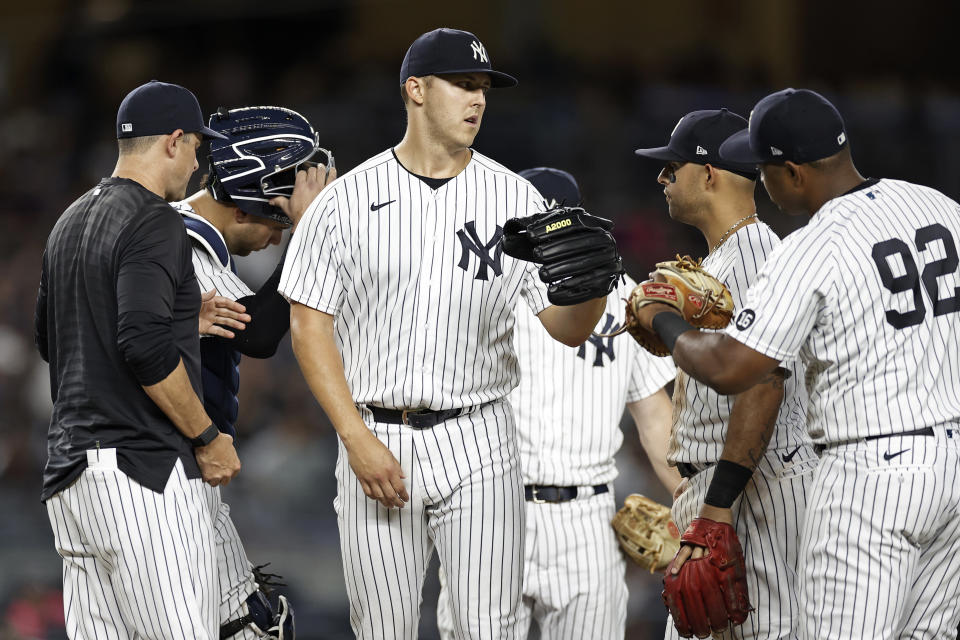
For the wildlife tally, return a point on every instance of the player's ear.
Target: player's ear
(171, 141)
(709, 176)
(415, 89)
(794, 173)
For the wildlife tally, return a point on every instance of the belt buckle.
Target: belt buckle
(406, 416)
(537, 500)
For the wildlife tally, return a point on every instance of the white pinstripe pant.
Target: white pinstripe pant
(466, 498)
(234, 571)
(136, 564)
(573, 578)
(767, 519)
(879, 551)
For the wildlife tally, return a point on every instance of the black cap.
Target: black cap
(556, 186)
(450, 51)
(697, 138)
(794, 124)
(159, 108)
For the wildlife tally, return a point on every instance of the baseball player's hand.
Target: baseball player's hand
(307, 185)
(378, 471)
(217, 312)
(218, 461)
(688, 551)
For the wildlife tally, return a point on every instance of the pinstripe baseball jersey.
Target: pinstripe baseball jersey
(569, 436)
(212, 261)
(700, 414)
(422, 294)
(867, 295)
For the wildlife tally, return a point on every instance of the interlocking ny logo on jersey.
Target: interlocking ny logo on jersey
(609, 326)
(470, 242)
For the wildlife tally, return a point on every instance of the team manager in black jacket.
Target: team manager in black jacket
(130, 446)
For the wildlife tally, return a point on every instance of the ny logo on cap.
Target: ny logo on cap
(701, 151)
(478, 50)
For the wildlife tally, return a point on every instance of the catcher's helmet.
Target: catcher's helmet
(260, 157)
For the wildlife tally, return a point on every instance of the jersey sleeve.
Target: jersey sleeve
(151, 265)
(649, 374)
(533, 289)
(210, 275)
(788, 298)
(311, 270)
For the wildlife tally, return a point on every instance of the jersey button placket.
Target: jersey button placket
(424, 289)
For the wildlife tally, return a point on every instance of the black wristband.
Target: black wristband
(669, 325)
(209, 435)
(727, 484)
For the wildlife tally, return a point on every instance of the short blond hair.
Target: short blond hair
(136, 146)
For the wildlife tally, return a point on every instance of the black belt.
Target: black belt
(926, 431)
(688, 469)
(414, 418)
(548, 493)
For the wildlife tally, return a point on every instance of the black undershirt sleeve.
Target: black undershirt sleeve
(146, 291)
(271, 319)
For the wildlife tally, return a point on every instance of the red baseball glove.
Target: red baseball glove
(709, 593)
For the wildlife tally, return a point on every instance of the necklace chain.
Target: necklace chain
(727, 232)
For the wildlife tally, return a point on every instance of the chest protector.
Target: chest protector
(219, 362)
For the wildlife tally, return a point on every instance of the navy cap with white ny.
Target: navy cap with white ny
(450, 51)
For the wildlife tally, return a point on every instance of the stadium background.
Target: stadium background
(597, 79)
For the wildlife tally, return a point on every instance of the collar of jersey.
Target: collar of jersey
(200, 229)
(427, 180)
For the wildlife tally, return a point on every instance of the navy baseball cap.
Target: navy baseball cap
(159, 108)
(554, 184)
(450, 51)
(798, 125)
(697, 138)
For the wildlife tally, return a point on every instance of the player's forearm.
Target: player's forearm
(311, 334)
(719, 361)
(571, 325)
(752, 421)
(174, 395)
(653, 417)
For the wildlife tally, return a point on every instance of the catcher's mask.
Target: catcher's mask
(258, 161)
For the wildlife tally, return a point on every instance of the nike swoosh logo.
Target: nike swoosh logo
(890, 456)
(377, 207)
(787, 457)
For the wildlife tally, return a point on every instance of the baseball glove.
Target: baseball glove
(578, 255)
(704, 301)
(646, 533)
(709, 593)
